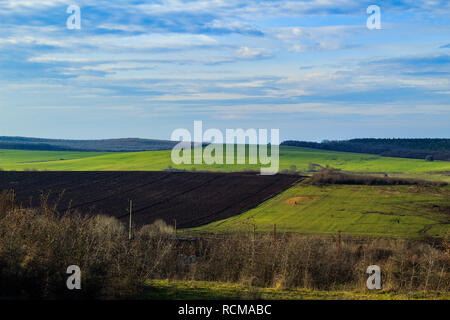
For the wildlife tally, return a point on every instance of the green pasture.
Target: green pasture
(385, 211)
(397, 211)
(301, 158)
(203, 290)
(25, 159)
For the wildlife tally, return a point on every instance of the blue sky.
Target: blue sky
(145, 68)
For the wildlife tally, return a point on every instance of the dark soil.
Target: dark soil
(192, 199)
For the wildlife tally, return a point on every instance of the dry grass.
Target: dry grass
(317, 262)
(37, 246)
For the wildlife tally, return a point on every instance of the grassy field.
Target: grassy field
(160, 160)
(201, 290)
(387, 211)
(414, 212)
(25, 159)
(393, 211)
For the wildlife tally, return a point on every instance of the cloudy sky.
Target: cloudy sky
(145, 68)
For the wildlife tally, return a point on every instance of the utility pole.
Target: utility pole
(129, 229)
(253, 243)
(338, 243)
(175, 226)
(13, 198)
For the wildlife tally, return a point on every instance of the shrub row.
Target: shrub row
(37, 246)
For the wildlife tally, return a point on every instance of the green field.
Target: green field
(201, 290)
(392, 211)
(160, 160)
(24, 159)
(387, 211)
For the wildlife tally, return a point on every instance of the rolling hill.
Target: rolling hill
(392, 211)
(387, 211)
(301, 158)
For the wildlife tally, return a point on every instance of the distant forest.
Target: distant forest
(429, 149)
(108, 145)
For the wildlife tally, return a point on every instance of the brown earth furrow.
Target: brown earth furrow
(191, 199)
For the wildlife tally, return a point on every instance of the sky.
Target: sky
(311, 69)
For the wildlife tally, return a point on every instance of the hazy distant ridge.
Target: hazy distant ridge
(106, 145)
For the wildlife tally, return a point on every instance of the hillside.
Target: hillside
(439, 149)
(397, 211)
(301, 158)
(382, 211)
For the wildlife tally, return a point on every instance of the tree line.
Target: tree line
(429, 149)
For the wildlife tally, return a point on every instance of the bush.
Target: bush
(37, 246)
(333, 176)
(314, 262)
(158, 228)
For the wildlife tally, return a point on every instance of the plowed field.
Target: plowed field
(193, 199)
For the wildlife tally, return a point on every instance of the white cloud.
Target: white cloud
(246, 52)
(303, 39)
(32, 3)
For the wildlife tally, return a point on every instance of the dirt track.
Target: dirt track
(192, 199)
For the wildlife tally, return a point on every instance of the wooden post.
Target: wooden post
(338, 243)
(13, 200)
(175, 226)
(129, 229)
(253, 243)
